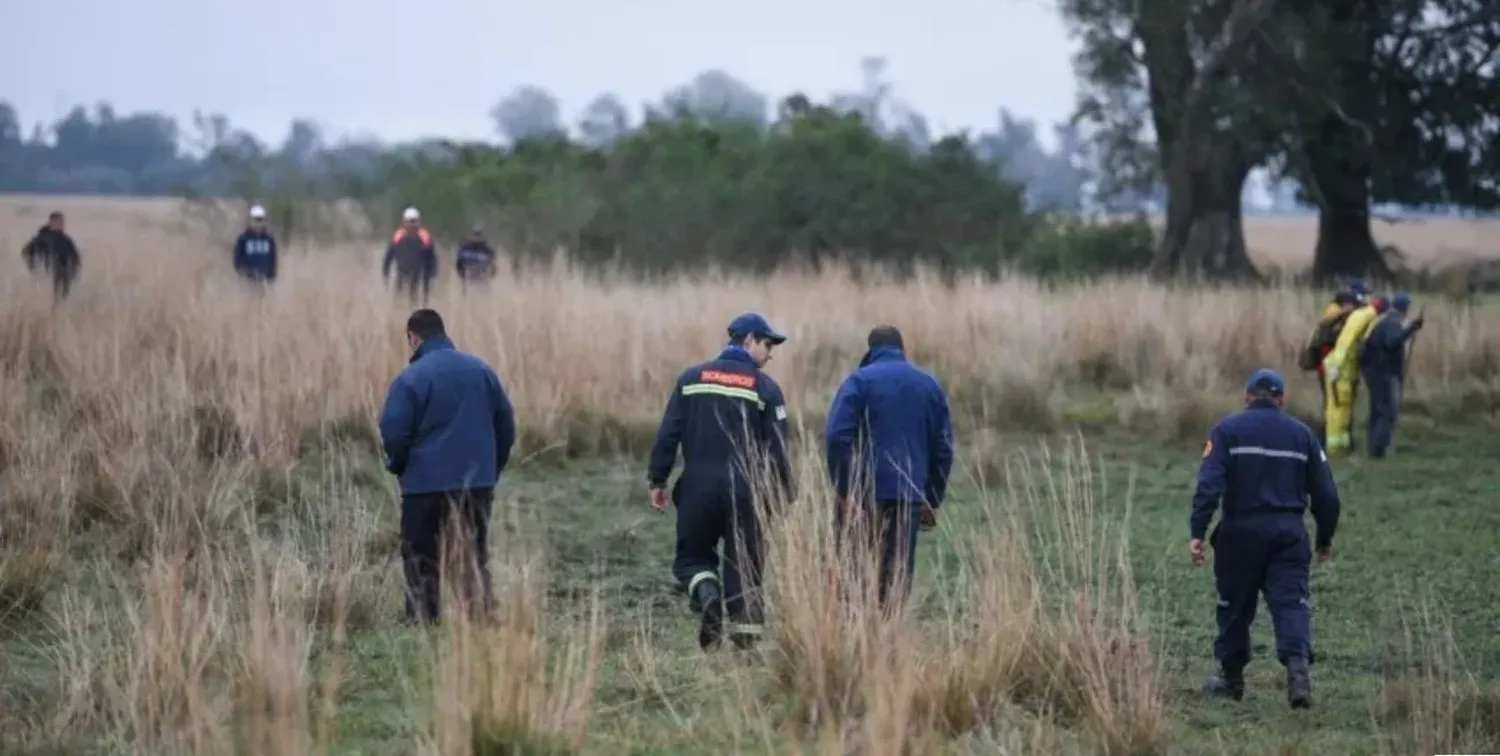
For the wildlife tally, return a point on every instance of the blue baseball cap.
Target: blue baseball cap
(1401, 302)
(754, 324)
(1266, 379)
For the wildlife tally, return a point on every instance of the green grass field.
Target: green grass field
(1414, 579)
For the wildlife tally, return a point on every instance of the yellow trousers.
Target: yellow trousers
(1338, 412)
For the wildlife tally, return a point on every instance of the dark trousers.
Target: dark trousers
(709, 512)
(417, 287)
(889, 529)
(1269, 556)
(62, 285)
(441, 532)
(1385, 408)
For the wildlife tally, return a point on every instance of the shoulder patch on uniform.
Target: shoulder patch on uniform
(1208, 448)
(781, 412)
(725, 378)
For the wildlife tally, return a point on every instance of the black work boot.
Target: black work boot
(744, 641)
(1298, 683)
(709, 601)
(1229, 683)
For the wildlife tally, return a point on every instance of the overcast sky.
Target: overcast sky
(434, 67)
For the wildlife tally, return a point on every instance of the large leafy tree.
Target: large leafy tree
(1359, 101)
(1173, 70)
(1385, 101)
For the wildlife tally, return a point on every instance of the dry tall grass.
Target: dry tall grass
(201, 596)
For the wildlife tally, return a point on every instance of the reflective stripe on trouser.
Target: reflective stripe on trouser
(748, 629)
(709, 515)
(700, 577)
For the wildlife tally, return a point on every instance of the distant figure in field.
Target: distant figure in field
(255, 250)
(476, 259)
(447, 428)
(54, 252)
(412, 253)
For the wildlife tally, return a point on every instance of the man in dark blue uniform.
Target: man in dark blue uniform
(255, 250)
(729, 418)
(1382, 362)
(475, 260)
(1262, 465)
(889, 444)
(54, 252)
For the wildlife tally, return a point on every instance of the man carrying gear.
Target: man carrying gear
(1262, 465)
(412, 253)
(1382, 362)
(1324, 336)
(1341, 373)
(53, 251)
(255, 249)
(730, 420)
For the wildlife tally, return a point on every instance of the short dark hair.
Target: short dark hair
(885, 336)
(54, 215)
(425, 324)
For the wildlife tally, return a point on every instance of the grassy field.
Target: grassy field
(197, 544)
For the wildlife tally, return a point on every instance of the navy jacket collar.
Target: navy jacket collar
(431, 345)
(736, 353)
(1262, 404)
(882, 354)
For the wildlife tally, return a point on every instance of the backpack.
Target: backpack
(1324, 336)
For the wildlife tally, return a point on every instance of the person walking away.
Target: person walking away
(1341, 375)
(1319, 344)
(730, 420)
(889, 446)
(1382, 362)
(475, 261)
(447, 429)
(255, 250)
(1260, 468)
(414, 257)
(53, 251)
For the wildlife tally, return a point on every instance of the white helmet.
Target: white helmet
(257, 212)
(411, 214)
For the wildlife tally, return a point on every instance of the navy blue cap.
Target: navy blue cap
(754, 324)
(1401, 302)
(1358, 286)
(1266, 379)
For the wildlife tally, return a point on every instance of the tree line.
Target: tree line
(1353, 103)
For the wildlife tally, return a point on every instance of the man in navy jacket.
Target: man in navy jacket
(1261, 466)
(255, 249)
(890, 451)
(447, 429)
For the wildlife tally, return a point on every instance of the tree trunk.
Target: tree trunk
(1346, 245)
(1205, 236)
(1340, 152)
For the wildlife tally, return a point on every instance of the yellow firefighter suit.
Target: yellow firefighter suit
(1340, 373)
